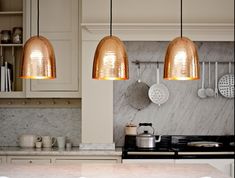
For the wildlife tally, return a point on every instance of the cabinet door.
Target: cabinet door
(87, 159)
(2, 159)
(59, 22)
(78, 161)
(27, 160)
(224, 165)
(144, 161)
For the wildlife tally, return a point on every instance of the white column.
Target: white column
(97, 105)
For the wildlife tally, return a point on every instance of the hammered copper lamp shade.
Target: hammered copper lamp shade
(110, 60)
(181, 60)
(38, 59)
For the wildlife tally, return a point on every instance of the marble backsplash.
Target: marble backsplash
(184, 113)
(39, 121)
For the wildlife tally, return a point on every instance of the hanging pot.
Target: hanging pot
(146, 139)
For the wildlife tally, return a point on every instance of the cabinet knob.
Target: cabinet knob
(30, 161)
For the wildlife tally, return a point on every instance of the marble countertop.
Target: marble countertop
(111, 170)
(74, 151)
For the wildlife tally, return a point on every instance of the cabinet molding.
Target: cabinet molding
(160, 31)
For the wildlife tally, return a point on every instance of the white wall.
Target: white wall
(159, 11)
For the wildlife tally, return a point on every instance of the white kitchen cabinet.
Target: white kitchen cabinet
(224, 165)
(2, 159)
(12, 14)
(59, 22)
(66, 160)
(28, 160)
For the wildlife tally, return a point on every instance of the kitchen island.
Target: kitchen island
(111, 170)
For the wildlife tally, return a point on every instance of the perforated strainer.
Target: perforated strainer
(158, 93)
(226, 84)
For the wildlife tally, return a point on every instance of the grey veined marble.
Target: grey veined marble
(184, 113)
(51, 121)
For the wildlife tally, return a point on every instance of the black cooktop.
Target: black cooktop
(176, 146)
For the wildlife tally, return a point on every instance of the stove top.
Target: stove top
(177, 146)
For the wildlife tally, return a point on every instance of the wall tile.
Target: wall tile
(184, 113)
(53, 122)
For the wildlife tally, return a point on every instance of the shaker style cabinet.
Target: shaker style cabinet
(28, 160)
(12, 37)
(59, 22)
(60, 160)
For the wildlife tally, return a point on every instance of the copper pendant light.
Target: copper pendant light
(38, 59)
(110, 59)
(181, 60)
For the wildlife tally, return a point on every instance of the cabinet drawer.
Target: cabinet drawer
(29, 161)
(78, 161)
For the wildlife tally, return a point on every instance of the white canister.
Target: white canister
(61, 142)
(130, 129)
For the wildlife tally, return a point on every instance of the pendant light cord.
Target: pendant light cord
(111, 17)
(181, 18)
(38, 18)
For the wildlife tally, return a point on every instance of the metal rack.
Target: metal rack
(137, 62)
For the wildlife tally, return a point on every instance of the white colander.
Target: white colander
(226, 84)
(158, 93)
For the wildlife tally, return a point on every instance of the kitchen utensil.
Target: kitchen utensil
(204, 144)
(226, 84)
(68, 145)
(61, 142)
(146, 139)
(38, 144)
(231, 144)
(130, 129)
(28, 140)
(158, 93)
(216, 79)
(48, 142)
(17, 35)
(5, 36)
(202, 92)
(209, 91)
(137, 93)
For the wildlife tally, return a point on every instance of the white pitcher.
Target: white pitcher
(48, 142)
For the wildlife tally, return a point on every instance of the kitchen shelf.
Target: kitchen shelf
(11, 13)
(11, 45)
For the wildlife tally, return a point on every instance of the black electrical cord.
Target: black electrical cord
(111, 17)
(38, 18)
(181, 19)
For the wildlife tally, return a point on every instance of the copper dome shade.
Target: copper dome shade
(181, 60)
(110, 60)
(38, 59)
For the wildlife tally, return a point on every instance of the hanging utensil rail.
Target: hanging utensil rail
(137, 62)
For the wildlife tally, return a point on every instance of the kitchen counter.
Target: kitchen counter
(112, 170)
(74, 151)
